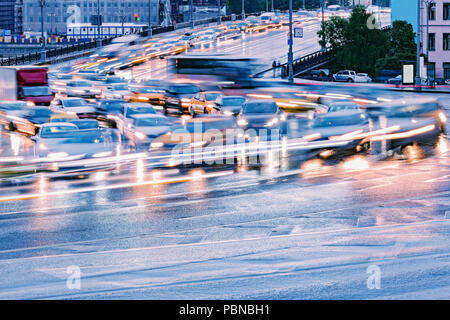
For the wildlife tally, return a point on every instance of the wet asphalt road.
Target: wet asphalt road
(105, 219)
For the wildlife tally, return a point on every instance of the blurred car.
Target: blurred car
(259, 114)
(342, 105)
(196, 133)
(81, 89)
(204, 102)
(110, 106)
(411, 109)
(128, 110)
(77, 106)
(151, 95)
(82, 124)
(345, 76)
(230, 105)
(116, 91)
(447, 81)
(52, 134)
(15, 108)
(179, 95)
(319, 74)
(362, 78)
(340, 132)
(143, 128)
(58, 141)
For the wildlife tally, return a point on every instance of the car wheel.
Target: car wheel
(350, 80)
(12, 126)
(192, 112)
(205, 110)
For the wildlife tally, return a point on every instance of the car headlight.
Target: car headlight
(102, 154)
(228, 113)
(56, 155)
(242, 122)
(156, 145)
(30, 104)
(442, 117)
(140, 135)
(42, 147)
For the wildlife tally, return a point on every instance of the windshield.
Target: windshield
(341, 107)
(35, 91)
(57, 131)
(79, 84)
(13, 106)
(140, 110)
(261, 107)
(347, 120)
(87, 124)
(75, 103)
(229, 102)
(212, 96)
(42, 112)
(185, 89)
(120, 87)
(112, 105)
(147, 90)
(152, 122)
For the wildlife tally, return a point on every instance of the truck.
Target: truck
(26, 83)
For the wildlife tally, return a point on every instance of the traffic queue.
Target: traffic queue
(99, 119)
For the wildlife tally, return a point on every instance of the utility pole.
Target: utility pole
(42, 3)
(149, 18)
(272, 6)
(428, 3)
(418, 44)
(99, 39)
(191, 6)
(243, 9)
(219, 18)
(291, 39)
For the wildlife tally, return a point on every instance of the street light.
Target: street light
(243, 9)
(418, 44)
(42, 3)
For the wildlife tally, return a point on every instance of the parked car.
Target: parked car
(363, 78)
(397, 80)
(384, 75)
(345, 76)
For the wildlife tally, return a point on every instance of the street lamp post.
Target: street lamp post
(99, 39)
(243, 9)
(272, 6)
(42, 3)
(291, 39)
(418, 44)
(149, 18)
(219, 18)
(428, 4)
(191, 13)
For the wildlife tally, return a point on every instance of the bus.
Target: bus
(221, 65)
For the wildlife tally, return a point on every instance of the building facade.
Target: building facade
(436, 19)
(59, 13)
(7, 15)
(435, 41)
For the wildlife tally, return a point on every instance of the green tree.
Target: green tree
(402, 47)
(356, 46)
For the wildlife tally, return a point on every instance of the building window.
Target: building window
(431, 70)
(432, 11)
(446, 41)
(446, 11)
(447, 70)
(431, 41)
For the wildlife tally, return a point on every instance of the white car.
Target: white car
(447, 81)
(363, 78)
(77, 106)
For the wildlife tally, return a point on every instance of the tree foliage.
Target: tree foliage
(356, 46)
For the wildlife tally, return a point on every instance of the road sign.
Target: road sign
(298, 32)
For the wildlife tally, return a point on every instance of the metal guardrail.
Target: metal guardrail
(307, 62)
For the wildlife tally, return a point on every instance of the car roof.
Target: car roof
(137, 105)
(58, 124)
(148, 115)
